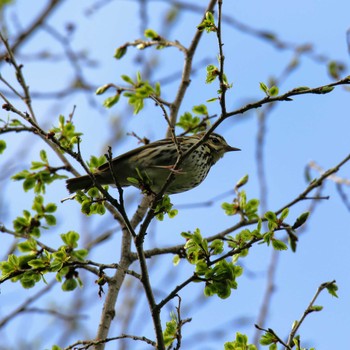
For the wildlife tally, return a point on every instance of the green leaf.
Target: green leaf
(335, 69)
(95, 162)
(169, 333)
(229, 208)
(37, 165)
(332, 289)
(316, 308)
(284, 214)
(264, 88)
(157, 89)
(300, 220)
(212, 73)
(176, 260)
(267, 339)
(80, 254)
(29, 280)
(190, 123)
(28, 183)
(279, 245)
(56, 347)
(13, 260)
(69, 285)
(85, 206)
(292, 239)
(217, 246)
(200, 109)
(258, 227)
(36, 263)
(132, 180)
(27, 246)
(120, 52)
(50, 220)
(21, 175)
(100, 209)
(151, 34)
(70, 238)
(127, 79)
(38, 205)
(251, 209)
(111, 101)
(172, 213)
(55, 266)
(209, 16)
(208, 23)
(50, 208)
(43, 156)
(2, 146)
(273, 91)
(229, 346)
(270, 216)
(61, 120)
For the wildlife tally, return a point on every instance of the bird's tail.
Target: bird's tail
(79, 183)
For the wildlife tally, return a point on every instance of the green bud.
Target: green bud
(102, 89)
(242, 181)
(300, 220)
(151, 34)
(120, 52)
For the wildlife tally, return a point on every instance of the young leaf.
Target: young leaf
(270, 216)
(264, 88)
(200, 109)
(2, 146)
(151, 34)
(279, 245)
(316, 308)
(332, 289)
(242, 181)
(300, 220)
(111, 101)
(273, 91)
(127, 79)
(284, 214)
(326, 89)
(43, 156)
(102, 89)
(120, 52)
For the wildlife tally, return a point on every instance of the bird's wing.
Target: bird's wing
(133, 152)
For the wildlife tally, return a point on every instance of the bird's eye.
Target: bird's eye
(216, 141)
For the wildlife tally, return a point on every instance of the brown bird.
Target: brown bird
(148, 166)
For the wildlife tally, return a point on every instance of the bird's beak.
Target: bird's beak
(231, 149)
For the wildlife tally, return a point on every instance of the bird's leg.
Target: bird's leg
(170, 168)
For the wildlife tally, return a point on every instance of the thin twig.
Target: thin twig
(262, 118)
(337, 179)
(187, 71)
(87, 344)
(308, 310)
(223, 84)
(277, 338)
(28, 32)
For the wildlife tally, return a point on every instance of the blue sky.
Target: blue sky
(310, 128)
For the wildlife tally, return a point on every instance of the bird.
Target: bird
(148, 167)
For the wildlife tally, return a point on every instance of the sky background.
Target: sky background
(310, 128)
